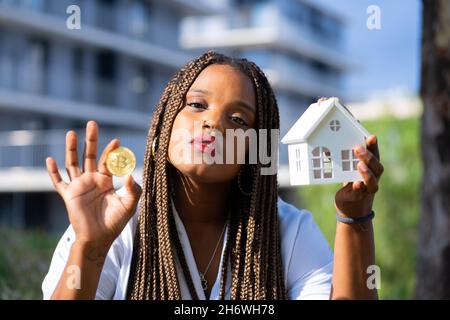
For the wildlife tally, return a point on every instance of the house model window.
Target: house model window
(321, 163)
(321, 142)
(297, 159)
(335, 125)
(349, 160)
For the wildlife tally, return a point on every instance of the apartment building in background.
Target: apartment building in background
(115, 67)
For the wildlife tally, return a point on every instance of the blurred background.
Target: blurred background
(113, 70)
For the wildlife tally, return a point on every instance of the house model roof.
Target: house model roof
(312, 117)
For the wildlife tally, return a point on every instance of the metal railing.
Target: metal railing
(29, 148)
(267, 16)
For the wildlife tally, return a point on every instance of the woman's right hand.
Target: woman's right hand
(96, 212)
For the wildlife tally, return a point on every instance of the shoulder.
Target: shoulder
(307, 256)
(290, 215)
(295, 221)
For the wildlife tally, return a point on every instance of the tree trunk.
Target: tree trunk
(433, 269)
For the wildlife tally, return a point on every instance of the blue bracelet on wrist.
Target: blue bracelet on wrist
(349, 220)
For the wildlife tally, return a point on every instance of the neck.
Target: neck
(199, 202)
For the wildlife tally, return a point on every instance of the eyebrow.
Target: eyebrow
(241, 103)
(245, 105)
(199, 90)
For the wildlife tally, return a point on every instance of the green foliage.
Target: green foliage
(24, 261)
(396, 205)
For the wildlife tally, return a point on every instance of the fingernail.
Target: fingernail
(360, 150)
(374, 139)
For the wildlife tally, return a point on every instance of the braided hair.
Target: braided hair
(253, 246)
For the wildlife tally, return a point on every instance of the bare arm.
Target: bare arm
(81, 274)
(354, 249)
(96, 212)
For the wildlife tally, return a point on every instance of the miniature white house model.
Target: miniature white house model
(320, 144)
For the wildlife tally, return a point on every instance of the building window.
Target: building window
(335, 125)
(297, 159)
(106, 78)
(106, 14)
(349, 160)
(321, 163)
(138, 19)
(78, 72)
(38, 57)
(140, 88)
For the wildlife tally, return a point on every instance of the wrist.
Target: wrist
(89, 245)
(90, 253)
(355, 220)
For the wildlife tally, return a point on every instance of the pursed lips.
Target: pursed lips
(204, 143)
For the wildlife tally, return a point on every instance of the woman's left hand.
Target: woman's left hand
(356, 199)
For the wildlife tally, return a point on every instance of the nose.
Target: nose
(214, 121)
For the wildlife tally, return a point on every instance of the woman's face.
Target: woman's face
(221, 98)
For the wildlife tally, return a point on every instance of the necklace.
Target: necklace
(203, 274)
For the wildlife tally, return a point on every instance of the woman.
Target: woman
(187, 209)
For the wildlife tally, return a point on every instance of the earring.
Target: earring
(240, 185)
(154, 147)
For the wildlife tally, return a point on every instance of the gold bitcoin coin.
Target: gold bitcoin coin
(120, 161)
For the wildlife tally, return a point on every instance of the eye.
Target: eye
(195, 105)
(239, 121)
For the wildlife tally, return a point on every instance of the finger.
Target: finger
(102, 162)
(132, 187)
(52, 169)
(369, 159)
(372, 145)
(90, 157)
(344, 184)
(370, 181)
(351, 192)
(134, 191)
(346, 192)
(73, 170)
(358, 189)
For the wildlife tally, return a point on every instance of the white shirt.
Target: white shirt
(306, 256)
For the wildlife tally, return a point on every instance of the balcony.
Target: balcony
(83, 111)
(23, 153)
(198, 7)
(29, 148)
(34, 22)
(300, 77)
(264, 29)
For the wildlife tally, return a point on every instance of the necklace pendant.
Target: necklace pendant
(204, 282)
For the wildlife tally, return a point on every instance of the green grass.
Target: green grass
(396, 205)
(24, 261)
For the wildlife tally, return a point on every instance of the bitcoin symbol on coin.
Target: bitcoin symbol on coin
(121, 161)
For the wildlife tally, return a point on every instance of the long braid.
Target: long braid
(139, 278)
(253, 241)
(163, 199)
(237, 253)
(226, 258)
(260, 276)
(274, 245)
